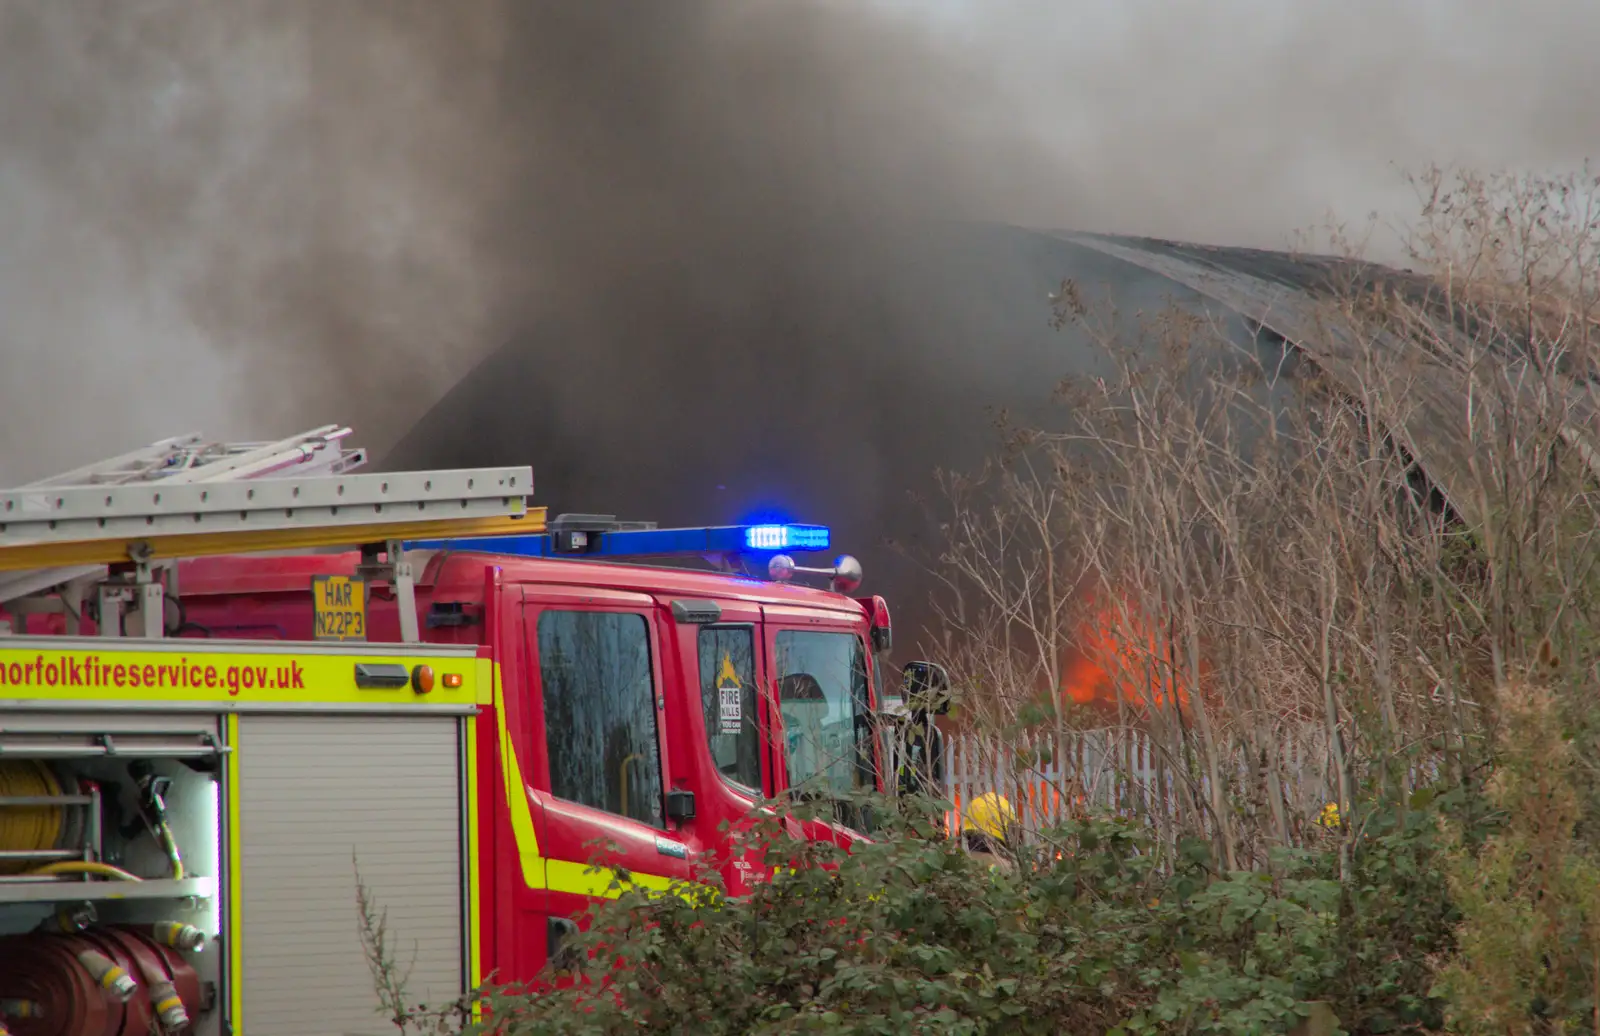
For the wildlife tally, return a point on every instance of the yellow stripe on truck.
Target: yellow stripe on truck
(538, 872)
(582, 879)
(235, 902)
(517, 799)
(192, 671)
(474, 863)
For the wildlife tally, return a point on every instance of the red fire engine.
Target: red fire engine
(239, 683)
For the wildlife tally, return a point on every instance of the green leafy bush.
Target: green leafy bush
(1095, 931)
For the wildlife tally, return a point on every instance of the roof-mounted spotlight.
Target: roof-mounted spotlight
(843, 577)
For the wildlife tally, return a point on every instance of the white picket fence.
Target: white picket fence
(1049, 778)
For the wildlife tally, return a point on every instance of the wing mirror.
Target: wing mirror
(926, 684)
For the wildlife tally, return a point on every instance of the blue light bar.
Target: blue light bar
(650, 543)
(786, 537)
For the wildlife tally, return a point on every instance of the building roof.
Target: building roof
(1291, 296)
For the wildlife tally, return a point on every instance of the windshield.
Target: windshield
(822, 693)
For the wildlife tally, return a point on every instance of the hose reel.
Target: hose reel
(36, 828)
(73, 976)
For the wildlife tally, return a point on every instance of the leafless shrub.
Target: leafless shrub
(391, 980)
(1344, 535)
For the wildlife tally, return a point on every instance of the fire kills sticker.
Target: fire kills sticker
(732, 695)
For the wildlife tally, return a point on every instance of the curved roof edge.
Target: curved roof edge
(1285, 293)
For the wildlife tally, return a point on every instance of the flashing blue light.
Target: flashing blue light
(786, 537)
(644, 543)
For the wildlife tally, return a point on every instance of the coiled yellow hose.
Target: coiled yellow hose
(28, 828)
(104, 870)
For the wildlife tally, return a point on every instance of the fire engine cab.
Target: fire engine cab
(242, 688)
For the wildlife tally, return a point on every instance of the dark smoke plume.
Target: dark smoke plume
(261, 215)
(257, 215)
(723, 238)
(241, 218)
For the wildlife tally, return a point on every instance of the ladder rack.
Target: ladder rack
(183, 458)
(186, 497)
(190, 458)
(73, 514)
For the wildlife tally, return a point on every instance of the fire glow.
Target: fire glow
(1122, 660)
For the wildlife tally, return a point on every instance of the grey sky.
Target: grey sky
(1243, 121)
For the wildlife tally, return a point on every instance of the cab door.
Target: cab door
(721, 723)
(821, 688)
(600, 757)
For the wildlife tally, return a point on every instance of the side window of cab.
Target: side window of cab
(599, 712)
(729, 702)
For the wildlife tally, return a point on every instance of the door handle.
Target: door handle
(622, 780)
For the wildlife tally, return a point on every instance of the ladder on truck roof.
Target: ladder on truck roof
(190, 458)
(186, 497)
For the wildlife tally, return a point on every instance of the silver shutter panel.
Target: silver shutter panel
(312, 791)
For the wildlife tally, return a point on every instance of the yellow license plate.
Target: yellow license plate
(340, 604)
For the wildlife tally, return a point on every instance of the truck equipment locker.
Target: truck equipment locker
(320, 796)
(181, 814)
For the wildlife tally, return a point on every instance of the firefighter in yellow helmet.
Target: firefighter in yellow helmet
(989, 828)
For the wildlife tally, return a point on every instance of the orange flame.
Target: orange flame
(1112, 664)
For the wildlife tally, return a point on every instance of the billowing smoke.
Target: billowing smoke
(241, 218)
(722, 237)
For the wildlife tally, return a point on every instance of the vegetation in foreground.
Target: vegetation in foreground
(1090, 933)
(1445, 919)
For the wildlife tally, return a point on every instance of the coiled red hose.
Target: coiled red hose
(46, 970)
(156, 966)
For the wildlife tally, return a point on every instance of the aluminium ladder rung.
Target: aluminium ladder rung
(151, 509)
(247, 460)
(127, 465)
(191, 458)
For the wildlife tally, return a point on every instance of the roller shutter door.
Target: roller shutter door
(312, 791)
